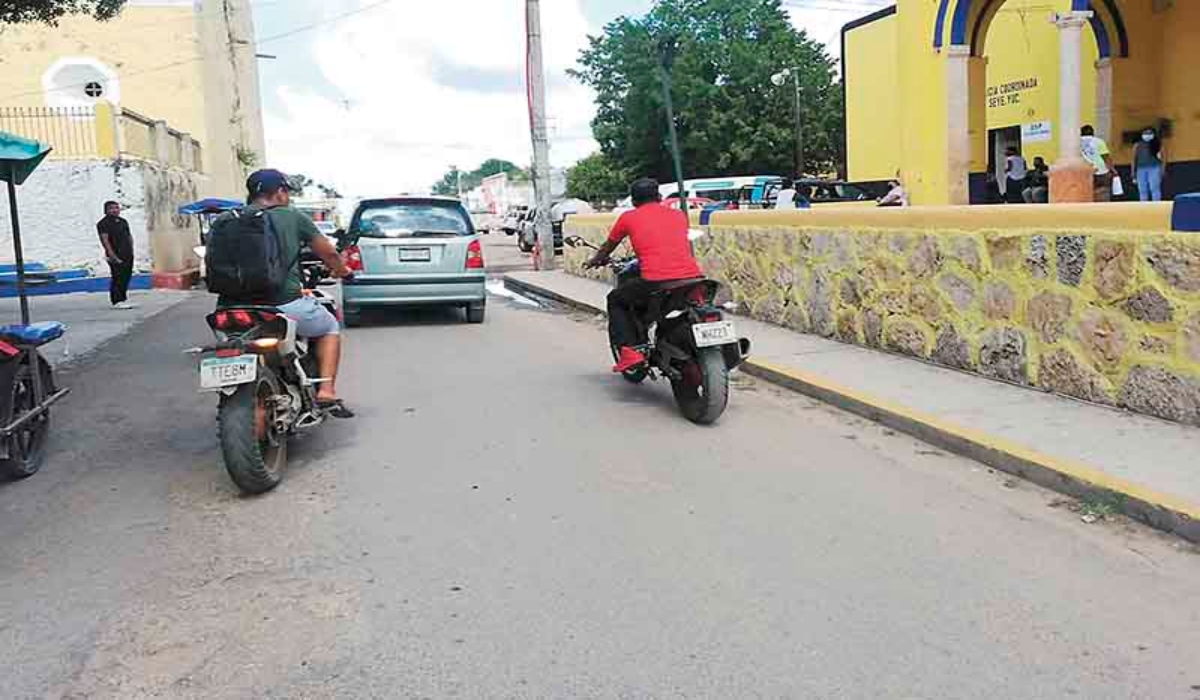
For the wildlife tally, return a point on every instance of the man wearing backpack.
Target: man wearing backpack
(254, 259)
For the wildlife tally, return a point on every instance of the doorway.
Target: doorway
(999, 141)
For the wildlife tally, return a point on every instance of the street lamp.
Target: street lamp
(779, 80)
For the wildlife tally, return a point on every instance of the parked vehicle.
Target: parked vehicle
(27, 390)
(527, 238)
(512, 220)
(267, 380)
(691, 343)
(413, 251)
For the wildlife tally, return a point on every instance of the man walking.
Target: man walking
(1095, 151)
(118, 250)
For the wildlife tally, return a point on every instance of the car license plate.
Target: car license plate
(221, 372)
(710, 334)
(414, 255)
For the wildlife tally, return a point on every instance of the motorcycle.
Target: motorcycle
(267, 379)
(689, 340)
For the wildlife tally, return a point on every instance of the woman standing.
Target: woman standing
(1149, 165)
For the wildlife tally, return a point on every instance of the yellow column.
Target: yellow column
(106, 130)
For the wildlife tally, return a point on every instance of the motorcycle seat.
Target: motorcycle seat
(35, 334)
(672, 285)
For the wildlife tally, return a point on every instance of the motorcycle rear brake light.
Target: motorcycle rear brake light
(712, 318)
(229, 352)
(698, 295)
(221, 320)
(267, 316)
(242, 319)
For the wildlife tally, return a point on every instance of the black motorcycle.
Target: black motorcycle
(267, 379)
(689, 340)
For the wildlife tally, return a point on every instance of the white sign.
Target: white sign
(1037, 132)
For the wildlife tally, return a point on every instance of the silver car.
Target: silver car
(413, 251)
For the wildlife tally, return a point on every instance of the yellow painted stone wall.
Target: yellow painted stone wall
(1109, 316)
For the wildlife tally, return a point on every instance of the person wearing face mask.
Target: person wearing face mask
(1149, 165)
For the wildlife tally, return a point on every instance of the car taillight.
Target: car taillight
(474, 256)
(352, 256)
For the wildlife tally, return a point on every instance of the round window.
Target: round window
(93, 89)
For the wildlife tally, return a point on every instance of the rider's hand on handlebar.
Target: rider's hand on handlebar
(594, 263)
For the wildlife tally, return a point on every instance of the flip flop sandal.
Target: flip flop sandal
(335, 408)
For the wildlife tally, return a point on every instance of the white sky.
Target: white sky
(385, 101)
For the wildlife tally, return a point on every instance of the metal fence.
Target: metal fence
(71, 131)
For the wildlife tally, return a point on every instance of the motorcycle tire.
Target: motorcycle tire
(254, 457)
(703, 391)
(27, 446)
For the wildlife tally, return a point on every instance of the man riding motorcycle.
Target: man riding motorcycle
(270, 191)
(659, 236)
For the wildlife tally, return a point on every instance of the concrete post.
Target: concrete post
(160, 139)
(1071, 177)
(958, 124)
(108, 139)
(1104, 98)
(187, 156)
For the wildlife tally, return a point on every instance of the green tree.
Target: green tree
(448, 185)
(731, 118)
(50, 11)
(597, 178)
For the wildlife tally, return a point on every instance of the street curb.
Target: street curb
(1158, 510)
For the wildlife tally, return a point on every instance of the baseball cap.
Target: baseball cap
(267, 180)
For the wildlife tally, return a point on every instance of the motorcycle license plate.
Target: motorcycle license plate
(710, 334)
(221, 372)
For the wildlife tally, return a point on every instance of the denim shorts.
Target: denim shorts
(312, 319)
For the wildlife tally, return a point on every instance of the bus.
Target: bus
(720, 189)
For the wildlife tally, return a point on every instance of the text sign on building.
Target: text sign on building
(1036, 132)
(1009, 93)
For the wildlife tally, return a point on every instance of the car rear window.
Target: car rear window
(412, 219)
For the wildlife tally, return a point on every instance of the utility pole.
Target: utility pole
(799, 127)
(667, 56)
(536, 85)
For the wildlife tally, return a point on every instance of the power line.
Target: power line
(183, 62)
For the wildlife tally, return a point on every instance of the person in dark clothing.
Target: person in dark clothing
(1037, 183)
(659, 236)
(118, 250)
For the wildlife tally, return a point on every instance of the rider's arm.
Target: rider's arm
(602, 255)
(328, 254)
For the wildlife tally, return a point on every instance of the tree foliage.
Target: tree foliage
(597, 178)
(731, 118)
(50, 11)
(448, 185)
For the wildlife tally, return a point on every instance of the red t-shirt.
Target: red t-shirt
(659, 236)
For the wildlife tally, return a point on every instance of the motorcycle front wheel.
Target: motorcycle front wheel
(255, 455)
(703, 391)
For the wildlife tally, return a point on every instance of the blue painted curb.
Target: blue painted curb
(75, 286)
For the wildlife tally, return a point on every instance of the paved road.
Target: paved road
(504, 519)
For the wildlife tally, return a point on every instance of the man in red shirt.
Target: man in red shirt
(659, 236)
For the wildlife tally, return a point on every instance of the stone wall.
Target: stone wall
(63, 199)
(1111, 317)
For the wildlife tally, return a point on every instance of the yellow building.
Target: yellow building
(937, 89)
(189, 63)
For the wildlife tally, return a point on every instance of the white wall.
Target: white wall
(63, 199)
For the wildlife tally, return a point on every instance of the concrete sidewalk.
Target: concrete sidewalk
(1140, 465)
(89, 318)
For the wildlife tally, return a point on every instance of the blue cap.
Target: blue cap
(267, 180)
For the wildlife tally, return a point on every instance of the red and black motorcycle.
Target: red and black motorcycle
(689, 340)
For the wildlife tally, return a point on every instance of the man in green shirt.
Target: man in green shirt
(270, 191)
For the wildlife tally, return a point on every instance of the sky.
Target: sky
(383, 96)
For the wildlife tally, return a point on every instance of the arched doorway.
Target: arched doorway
(1043, 105)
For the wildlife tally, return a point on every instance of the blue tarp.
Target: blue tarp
(19, 157)
(210, 206)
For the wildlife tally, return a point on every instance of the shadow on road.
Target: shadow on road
(392, 318)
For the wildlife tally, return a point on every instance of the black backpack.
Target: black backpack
(244, 258)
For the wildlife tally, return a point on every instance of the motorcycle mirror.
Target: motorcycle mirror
(573, 241)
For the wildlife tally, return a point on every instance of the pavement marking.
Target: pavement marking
(1156, 509)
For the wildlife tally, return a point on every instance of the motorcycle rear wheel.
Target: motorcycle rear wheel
(703, 391)
(255, 456)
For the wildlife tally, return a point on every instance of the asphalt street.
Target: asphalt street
(505, 519)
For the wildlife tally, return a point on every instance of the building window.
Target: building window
(80, 81)
(93, 90)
